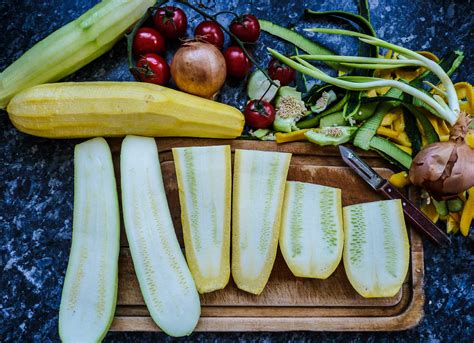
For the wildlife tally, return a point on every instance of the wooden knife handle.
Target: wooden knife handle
(415, 217)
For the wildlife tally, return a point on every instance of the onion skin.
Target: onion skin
(445, 168)
(199, 68)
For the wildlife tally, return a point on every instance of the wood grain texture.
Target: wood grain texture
(287, 303)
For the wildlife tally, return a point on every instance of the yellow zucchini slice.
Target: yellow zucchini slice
(258, 190)
(90, 288)
(376, 247)
(204, 182)
(165, 280)
(311, 235)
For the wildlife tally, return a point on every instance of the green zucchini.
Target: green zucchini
(441, 207)
(204, 184)
(72, 46)
(388, 149)
(352, 105)
(369, 128)
(376, 248)
(333, 119)
(299, 41)
(412, 131)
(333, 135)
(90, 288)
(311, 234)
(455, 205)
(430, 133)
(259, 87)
(313, 120)
(258, 190)
(165, 281)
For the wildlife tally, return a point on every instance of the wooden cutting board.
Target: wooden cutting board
(287, 303)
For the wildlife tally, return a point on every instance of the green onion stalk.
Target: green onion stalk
(449, 112)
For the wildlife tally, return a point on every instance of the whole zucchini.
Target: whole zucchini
(91, 109)
(72, 46)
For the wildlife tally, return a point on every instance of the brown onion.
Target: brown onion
(199, 68)
(446, 168)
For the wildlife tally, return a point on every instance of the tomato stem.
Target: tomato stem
(224, 12)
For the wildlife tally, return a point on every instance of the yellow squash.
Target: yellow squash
(90, 109)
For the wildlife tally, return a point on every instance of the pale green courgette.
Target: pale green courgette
(90, 287)
(376, 247)
(72, 46)
(164, 278)
(258, 190)
(204, 184)
(311, 235)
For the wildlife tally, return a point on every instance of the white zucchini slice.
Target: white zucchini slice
(376, 247)
(164, 278)
(90, 288)
(258, 190)
(311, 236)
(204, 182)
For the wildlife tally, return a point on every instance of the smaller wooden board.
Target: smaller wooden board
(287, 303)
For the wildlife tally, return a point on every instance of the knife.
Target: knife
(413, 215)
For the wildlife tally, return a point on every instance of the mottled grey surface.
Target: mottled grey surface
(36, 192)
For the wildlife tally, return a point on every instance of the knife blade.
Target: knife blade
(414, 216)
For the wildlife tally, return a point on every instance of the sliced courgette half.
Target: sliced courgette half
(90, 288)
(258, 190)
(163, 275)
(311, 234)
(204, 184)
(376, 248)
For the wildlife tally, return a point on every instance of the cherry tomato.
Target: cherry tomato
(280, 71)
(246, 28)
(210, 32)
(147, 41)
(259, 114)
(238, 65)
(171, 21)
(153, 69)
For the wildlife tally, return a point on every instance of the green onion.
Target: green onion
(427, 63)
(450, 114)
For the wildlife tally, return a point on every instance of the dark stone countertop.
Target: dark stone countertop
(36, 192)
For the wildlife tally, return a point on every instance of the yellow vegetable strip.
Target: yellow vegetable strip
(467, 213)
(400, 179)
(311, 235)
(204, 184)
(399, 137)
(407, 149)
(376, 248)
(258, 190)
(430, 211)
(283, 137)
(465, 93)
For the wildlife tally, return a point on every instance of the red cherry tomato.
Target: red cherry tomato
(259, 114)
(280, 71)
(246, 28)
(171, 21)
(148, 41)
(238, 65)
(210, 32)
(153, 69)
